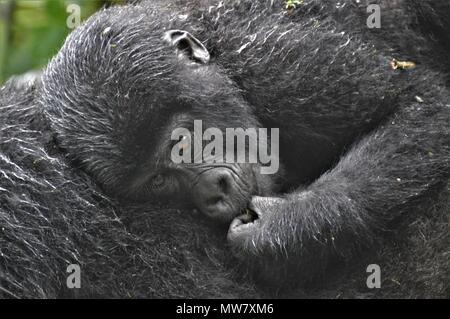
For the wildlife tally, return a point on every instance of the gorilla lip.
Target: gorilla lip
(244, 221)
(249, 216)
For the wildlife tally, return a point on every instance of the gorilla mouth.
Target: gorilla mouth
(249, 215)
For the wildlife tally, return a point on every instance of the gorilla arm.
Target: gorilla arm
(347, 208)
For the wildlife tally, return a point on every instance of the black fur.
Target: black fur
(365, 148)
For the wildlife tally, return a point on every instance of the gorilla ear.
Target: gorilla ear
(187, 45)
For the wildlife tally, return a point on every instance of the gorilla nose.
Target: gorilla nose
(215, 192)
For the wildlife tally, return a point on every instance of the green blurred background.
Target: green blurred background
(32, 31)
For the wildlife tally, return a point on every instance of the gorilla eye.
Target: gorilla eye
(184, 142)
(183, 138)
(158, 181)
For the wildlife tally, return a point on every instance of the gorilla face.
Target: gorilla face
(219, 190)
(116, 113)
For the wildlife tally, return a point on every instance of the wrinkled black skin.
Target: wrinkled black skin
(359, 151)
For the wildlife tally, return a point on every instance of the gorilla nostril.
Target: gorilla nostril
(223, 184)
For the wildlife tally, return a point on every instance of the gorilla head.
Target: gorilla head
(118, 89)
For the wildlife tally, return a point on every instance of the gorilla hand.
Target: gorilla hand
(249, 234)
(294, 237)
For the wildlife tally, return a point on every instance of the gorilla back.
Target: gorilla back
(365, 147)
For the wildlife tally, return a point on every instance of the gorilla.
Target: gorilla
(364, 143)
